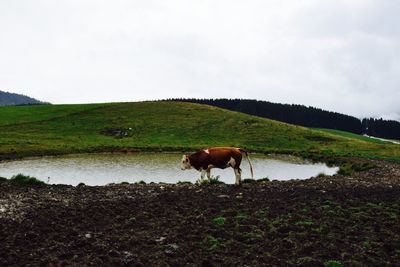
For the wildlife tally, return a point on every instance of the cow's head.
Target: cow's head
(185, 163)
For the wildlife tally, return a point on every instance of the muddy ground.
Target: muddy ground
(331, 221)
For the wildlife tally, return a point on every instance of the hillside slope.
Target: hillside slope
(59, 129)
(306, 116)
(10, 99)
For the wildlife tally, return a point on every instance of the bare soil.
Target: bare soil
(331, 221)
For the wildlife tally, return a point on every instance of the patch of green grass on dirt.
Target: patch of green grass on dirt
(210, 242)
(253, 235)
(219, 221)
(241, 217)
(212, 180)
(351, 167)
(263, 180)
(184, 183)
(25, 179)
(248, 181)
(333, 263)
(372, 205)
(304, 223)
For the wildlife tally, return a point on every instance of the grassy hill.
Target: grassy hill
(351, 135)
(59, 129)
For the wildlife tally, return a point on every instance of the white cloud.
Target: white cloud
(337, 55)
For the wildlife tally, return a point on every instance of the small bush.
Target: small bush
(81, 185)
(248, 181)
(141, 182)
(263, 180)
(124, 183)
(25, 179)
(2, 179)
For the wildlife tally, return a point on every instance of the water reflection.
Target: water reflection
(101, 169)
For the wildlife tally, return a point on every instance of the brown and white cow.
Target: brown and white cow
(216, 157)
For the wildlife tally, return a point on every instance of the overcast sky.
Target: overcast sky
(339, 55)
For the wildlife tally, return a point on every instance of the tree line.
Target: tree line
(306, 116)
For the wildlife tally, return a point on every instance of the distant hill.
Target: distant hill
(11, 99)
(306, 116)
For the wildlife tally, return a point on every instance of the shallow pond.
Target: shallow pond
(101, 169)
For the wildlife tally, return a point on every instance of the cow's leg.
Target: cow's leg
(203, 173)
(209, 171)
(238, 174)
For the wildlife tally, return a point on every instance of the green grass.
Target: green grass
(349, 168)
(351, 135)
(25, 179)
(210, 242)
(219, 221)
(304, 223)
(333, 263)
(61, 129)
(212, 180)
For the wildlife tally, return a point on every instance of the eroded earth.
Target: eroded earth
(331, 221)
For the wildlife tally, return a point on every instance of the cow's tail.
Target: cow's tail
(248, 159)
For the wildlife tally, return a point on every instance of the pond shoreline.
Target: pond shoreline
(352, 220)
(105, 168)
(112, 150)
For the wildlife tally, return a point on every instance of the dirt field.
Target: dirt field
(331, 221)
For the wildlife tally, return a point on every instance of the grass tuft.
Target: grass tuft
(210, 242)
(263, 180)
(184, 183)
(212, 180)
(349, 168)
(304, 223)
(25, 179)
(333, 263)
(248, 181)
(219, 221)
